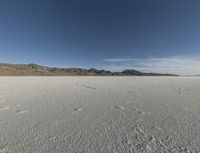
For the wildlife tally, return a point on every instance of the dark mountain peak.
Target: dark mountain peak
(132, 72)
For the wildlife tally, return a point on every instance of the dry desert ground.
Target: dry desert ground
(99, 114)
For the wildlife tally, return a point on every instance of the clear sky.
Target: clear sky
(147, 35)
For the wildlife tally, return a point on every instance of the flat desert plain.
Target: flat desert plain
(99, 114)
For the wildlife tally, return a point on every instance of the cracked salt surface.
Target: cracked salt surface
(125, 114)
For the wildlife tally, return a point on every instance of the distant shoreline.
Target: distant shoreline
(38, 70)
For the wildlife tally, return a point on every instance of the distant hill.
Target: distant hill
(38, 70)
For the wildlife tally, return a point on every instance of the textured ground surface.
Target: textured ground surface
(99, 114)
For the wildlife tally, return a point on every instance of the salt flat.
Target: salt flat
(99, 114)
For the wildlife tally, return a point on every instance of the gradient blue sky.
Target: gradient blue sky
(147, 35)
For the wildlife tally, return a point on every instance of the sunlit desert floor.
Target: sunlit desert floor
(99, 114)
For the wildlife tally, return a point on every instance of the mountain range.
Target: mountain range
(38, 70)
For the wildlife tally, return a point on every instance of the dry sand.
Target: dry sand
(99, 114)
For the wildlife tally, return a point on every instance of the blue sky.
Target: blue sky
(147, 35)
